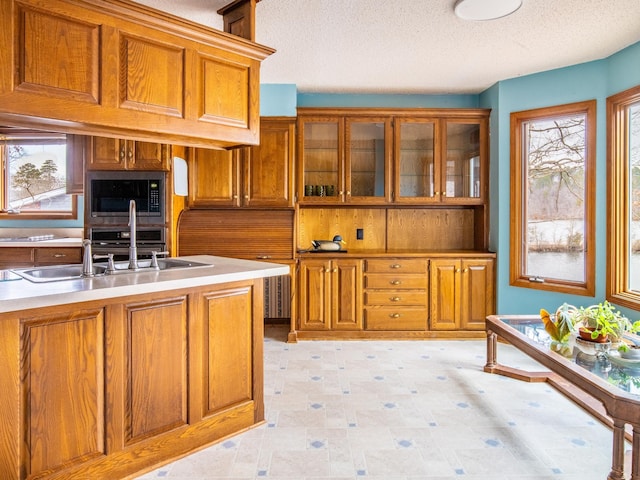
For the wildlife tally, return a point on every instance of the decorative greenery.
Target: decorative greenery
(602, 319)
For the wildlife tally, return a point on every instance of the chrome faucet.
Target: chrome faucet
(133, 249)
(87, 259)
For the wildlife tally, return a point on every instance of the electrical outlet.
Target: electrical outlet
(359, 234)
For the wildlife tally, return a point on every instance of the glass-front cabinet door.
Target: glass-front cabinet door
(368, 160)
(416, 168)
(440, 160)
(464, 161)
(321, 169)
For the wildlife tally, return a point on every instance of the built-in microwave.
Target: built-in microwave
(109, 195)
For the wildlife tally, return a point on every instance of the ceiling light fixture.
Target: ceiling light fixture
(485, 9)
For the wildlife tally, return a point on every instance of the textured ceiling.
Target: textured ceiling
(420, 46)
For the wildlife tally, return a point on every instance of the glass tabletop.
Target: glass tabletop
(603, 360)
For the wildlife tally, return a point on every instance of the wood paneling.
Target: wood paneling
(229, 349)
(156, 397)
(430, 229)
(74, 44)
(63, 390)
(324, 223)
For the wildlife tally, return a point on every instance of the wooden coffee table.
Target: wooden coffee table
(608, 402)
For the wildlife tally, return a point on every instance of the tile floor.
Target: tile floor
(402, 410)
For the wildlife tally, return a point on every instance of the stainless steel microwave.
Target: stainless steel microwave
(109, 195)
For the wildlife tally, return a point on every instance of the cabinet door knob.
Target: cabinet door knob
(335, 270)
(395, 299)
(457, 270)
(235, 197)
(395, 282)
(394, 315)
(396, 265)
(130, 153)
(465, 270)
(121, 153)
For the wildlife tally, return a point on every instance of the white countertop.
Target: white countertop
(22, 294)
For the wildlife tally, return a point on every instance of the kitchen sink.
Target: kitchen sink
(57, 273)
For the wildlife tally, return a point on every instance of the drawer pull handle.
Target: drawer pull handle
(394, 315)
(396, 265)
(59, 255)
(395, 282)
(395, 299)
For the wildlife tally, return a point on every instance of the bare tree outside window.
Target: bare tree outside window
(555, 207)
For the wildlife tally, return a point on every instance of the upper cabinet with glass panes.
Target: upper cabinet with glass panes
(344, 159)
(440, 160)
(381, 156)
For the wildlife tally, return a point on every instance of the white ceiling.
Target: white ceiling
(420, 46)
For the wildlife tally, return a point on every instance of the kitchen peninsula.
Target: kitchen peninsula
(113, 375)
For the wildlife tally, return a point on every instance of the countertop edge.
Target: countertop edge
(21, 294)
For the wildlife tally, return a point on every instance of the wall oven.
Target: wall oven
(105, 240)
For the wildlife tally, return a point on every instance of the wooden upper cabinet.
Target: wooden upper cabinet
(213, 178)
(260, 176)
(344, 159)
(117, 154)
(268, 167)
(126, 70)
(381, 156)
(441, 160)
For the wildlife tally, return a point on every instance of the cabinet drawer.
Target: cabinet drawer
(63, 255)
(396, 297)
(16, 257)
(396, 281)
(388, 318)
(396, 265)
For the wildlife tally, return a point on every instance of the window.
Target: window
(623, 216)
(553, 198)
(34, 175)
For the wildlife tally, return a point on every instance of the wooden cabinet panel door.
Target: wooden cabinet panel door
(147, 156)
(268, 167)
(63, 390)
(106, 154)
(444, 288)
(213, 178)
(346, 295)
(228, 352)
(315, 300)
(156, 360)
(477, 293)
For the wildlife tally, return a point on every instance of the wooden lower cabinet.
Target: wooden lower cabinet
(104, 390)
(16, 257)
(394, 297)
(462, 293)
(330, 294)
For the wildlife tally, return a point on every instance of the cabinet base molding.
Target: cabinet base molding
(295, 335)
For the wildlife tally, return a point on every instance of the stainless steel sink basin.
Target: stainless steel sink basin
(57, 273)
